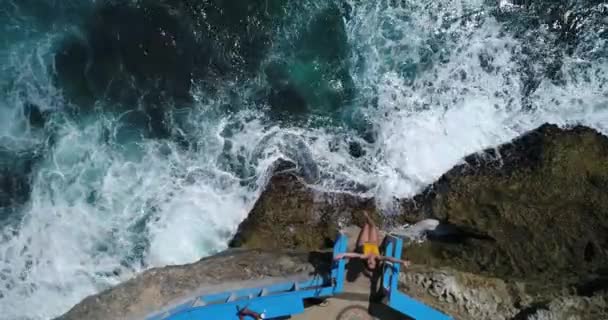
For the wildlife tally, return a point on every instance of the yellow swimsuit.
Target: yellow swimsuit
(370, 248)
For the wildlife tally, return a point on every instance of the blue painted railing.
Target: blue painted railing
(277, 300)
(286, 299)
(398, 300)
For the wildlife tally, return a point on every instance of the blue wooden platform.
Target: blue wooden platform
(398, 300)
(285, 299)
(275, 301)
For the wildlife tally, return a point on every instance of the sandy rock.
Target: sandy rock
(158, 289)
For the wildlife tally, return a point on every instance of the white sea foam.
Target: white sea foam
(100, 214)
(456, 103)
(438, 80)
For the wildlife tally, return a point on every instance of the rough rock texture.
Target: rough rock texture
(159, 288)
(469, 296)
(523, 225)
(570, 308)
(464, 295)
(537, 210)
(290, 214)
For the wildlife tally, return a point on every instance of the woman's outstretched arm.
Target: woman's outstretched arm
(349, 255)
(405, 263)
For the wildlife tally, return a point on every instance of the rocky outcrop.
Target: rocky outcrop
(460, 294)
(535, 210)
(299, 215)
(464, 296)
(523, 235)
(469, 296)
(160, 288)
(524, 226)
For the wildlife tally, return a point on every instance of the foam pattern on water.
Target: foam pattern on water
(435, 81)
(101, 212)
(450, 81)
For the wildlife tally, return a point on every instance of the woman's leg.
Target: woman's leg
(372, 231)
(363, 235)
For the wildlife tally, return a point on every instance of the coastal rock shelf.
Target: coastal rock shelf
(523, 235)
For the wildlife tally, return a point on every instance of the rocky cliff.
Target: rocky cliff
(527, 220)
(301, 216)
(523, 235)
(535, 209)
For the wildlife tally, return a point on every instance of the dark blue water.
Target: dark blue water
(136, 134)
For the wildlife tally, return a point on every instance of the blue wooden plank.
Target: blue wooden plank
(400, 301)
(414, 309)
(271, 289)
(338, 271)
(280, 306)
(388, 271)
(277, 290)
(398, 247)
(272, 307)
(398, 244)
(282, 299)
